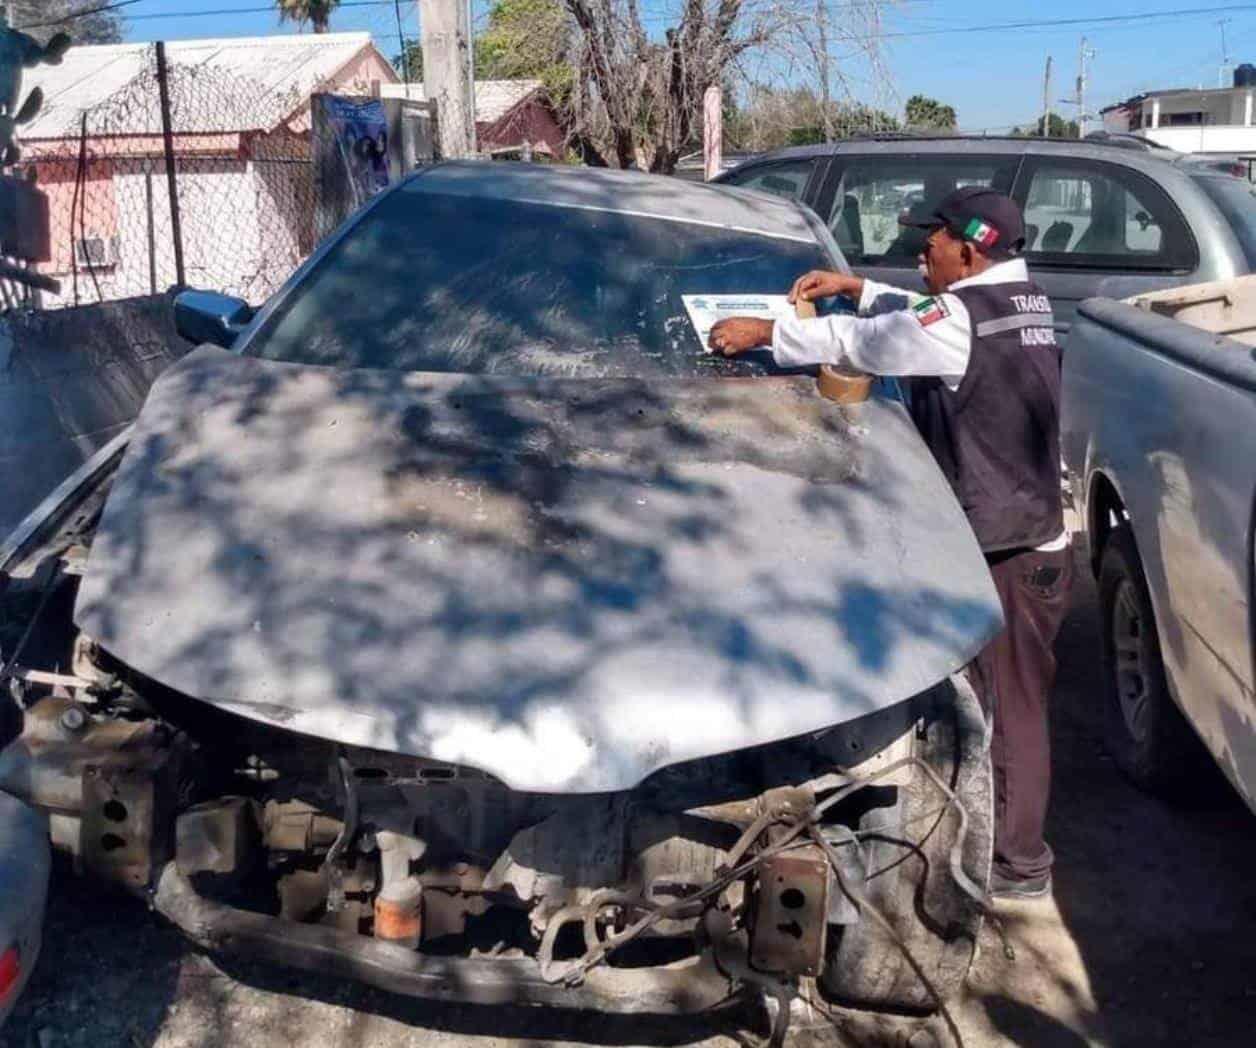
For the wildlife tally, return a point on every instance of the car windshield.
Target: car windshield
(1236, 199)
(442, 282)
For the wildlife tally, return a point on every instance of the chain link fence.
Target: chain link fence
(189, 175)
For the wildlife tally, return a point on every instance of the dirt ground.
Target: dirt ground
(1148, 941)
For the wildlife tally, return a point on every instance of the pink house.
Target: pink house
(240, 112)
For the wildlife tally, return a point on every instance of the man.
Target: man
(981, 372)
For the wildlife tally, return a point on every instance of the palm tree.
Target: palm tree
(316, 12)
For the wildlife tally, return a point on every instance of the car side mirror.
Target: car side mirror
(207, 316)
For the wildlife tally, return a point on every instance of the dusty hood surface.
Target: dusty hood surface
(566, 583)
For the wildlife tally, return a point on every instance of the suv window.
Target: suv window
(874, 190)
(1102, 216)
(787, 179)
(1236, 200)
(445, 283)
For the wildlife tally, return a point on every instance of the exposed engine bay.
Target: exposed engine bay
(769, 869)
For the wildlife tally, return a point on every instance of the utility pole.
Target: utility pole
(446, 40)
(1046, 100)
(1083, 54)
(474, 134)
(826, 108)
(1225, 53)
(401, 43)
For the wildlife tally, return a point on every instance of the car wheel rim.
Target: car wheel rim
(1129, 643)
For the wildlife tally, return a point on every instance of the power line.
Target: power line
(833, 5)
(218, 12)
(77, 14)
(1055, 23)
(270, 8)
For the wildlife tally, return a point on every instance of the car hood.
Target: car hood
(567, 583)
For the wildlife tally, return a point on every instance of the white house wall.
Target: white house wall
(1205, 139)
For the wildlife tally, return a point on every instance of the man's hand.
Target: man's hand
(820, 283)
(738, 334)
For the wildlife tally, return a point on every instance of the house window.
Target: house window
(83, 224)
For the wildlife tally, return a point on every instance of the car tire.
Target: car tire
(1145, 732)
(912, 885)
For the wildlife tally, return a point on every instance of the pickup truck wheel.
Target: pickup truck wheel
(1145, 731)
(910, 873)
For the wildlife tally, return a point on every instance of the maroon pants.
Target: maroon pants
(1012, 677)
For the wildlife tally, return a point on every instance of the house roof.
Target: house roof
(220, 85)
(1171, 92)
(493, 98)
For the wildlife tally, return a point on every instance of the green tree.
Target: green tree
(770, 118)
(924, 113)
(854, 118)
(316, 12)
(527, 40)
(410, 61)
(100, 27)
(1056, 124)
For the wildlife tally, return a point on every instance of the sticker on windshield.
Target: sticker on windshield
(928, 310)
(705, 311)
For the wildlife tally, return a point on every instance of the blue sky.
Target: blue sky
(993, 78)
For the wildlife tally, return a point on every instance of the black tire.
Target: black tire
(1144, 730)
(910, 878)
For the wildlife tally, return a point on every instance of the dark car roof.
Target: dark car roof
(622, 192)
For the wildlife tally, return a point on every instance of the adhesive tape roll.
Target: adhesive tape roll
(843, 385)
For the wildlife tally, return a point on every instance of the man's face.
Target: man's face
(945, 259)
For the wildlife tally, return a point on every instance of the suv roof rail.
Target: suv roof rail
(1107, 139)
(1124, 140)
(1116, 139)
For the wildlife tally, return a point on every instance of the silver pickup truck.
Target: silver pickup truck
(1159, 436)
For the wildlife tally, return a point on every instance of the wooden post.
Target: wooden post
(712, 131)
(167, 139)
(152, 232)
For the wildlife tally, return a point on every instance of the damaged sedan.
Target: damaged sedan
(456, 624)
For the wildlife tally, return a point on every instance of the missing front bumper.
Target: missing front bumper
(687, 987)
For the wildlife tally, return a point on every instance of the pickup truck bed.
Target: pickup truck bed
(1159, 436)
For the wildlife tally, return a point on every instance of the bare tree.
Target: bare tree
(637, 97)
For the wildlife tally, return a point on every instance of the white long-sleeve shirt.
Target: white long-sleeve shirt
(897, 332)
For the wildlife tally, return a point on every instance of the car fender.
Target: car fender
(25, 860)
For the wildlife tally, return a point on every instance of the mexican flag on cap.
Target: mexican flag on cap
(981, 234)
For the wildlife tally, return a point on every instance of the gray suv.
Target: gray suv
(1104, 217)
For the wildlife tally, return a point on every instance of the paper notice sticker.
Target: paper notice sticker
(706, 310)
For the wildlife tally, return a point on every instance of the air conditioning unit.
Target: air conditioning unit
(95, 252)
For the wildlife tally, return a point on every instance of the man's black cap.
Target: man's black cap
(985, 217)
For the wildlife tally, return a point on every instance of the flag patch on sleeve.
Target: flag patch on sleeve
(928, 310)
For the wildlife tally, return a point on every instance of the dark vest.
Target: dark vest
(997, 437)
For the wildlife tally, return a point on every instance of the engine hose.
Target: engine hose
(331, 864)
